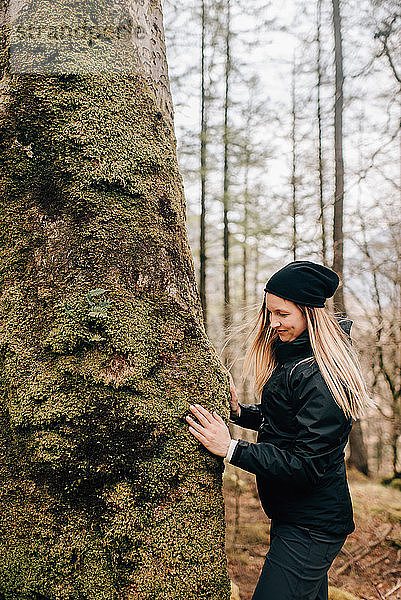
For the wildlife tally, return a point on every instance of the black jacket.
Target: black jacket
(298, 458)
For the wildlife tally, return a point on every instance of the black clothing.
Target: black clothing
(299, 456)
(305, 282)
(296, 565)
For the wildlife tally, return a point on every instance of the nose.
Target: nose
(275, 322)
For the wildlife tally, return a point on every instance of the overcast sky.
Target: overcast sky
(371, 111)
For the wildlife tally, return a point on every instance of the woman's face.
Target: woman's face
(285, 317)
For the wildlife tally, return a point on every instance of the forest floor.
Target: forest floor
(368, 566)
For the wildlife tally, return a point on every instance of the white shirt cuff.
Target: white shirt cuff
(231, 449)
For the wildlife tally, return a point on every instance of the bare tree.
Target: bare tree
(322, 218)
(338, 242)
(294, 160)
(227, 317)
(203, 155)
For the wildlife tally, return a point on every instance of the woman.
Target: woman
(311, 390)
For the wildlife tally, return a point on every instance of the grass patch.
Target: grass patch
(254, 533)
(337, 594)
(371, 497)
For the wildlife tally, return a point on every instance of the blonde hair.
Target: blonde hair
(337, 360)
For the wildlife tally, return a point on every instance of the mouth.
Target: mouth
(281, 331)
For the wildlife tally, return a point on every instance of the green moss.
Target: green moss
(390, 512)
(337, 594)
(53, 554)
(104, 493)
(396, 483)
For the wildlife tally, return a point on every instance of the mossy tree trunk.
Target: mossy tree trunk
(104, 493)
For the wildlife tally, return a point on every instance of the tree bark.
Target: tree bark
(104, 493)
(358, 457)
(322, 218)
(338, 236)
(294, 208)
(358, 454)
(227, 316)
(203, 156)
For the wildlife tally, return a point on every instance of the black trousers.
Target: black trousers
(296, 564)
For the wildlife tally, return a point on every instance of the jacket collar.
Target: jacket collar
(298, 348)
(301, 346)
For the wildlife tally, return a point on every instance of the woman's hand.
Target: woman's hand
(234, 396)
(213, 433)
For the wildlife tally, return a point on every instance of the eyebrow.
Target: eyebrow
(278, 310)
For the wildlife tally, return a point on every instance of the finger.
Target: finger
(206, 414)
(218, 418)
(205, 422)
(196, 425)
(198, 435)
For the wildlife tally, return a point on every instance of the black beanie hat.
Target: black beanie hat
(303, 282)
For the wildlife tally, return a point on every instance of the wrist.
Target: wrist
(235, 413)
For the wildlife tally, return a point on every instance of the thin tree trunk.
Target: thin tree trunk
(245, 243)
(358, 454)
(202, 283)
(294, 163)
(358, 457)
(338, 238)
(256, 271)
(246, 231)
(227, 317)
(246, 225)
(394, 437)
(319, 121)
(104, 493)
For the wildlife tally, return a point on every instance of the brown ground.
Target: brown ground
(377, 515)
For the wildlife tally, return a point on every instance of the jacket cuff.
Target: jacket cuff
(250, 416)
(236, 454)
(231, 449)
(235, 417)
